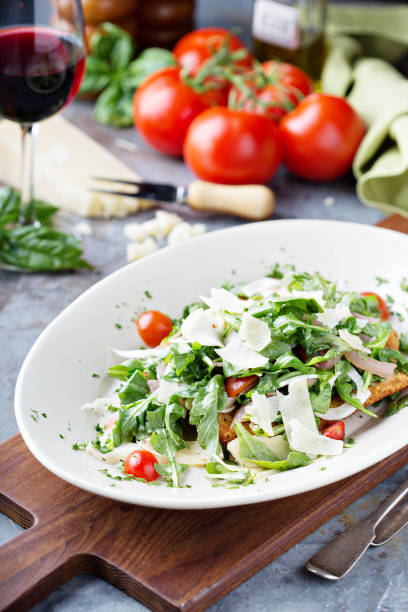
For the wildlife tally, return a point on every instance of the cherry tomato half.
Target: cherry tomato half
(235, 386)
(232, 147)
(320, 137)
(198, 46)
(382, 306)
(335, 431)
(140, 464)
(153, 326)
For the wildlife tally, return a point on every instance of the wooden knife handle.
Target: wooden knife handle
(253, 202)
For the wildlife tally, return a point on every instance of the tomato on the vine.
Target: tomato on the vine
(198, 46)
(232, 147)
(163, 108)
(276, 91)
(153, 326)
(382, 305)
(140, 464)
(320, 137)
(235, 386)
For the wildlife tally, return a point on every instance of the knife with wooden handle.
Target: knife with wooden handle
(251, 202)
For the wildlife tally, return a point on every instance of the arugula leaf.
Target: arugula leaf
(124, 370)
(267, 383)
(321, 399)
(135, 389)
(294, 459)
(111, 73)
(379, 332)
(167, 441)
(40, 249)
(129, 421)
(204, 413)
(275, 349)
(222, 471)
(10, 207)
(365, 305)
(391, 355)
(251, 448)
(396, 406)
(181, 360)
(403, 343)
(345, 386)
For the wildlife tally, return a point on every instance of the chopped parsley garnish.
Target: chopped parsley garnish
(148, 294)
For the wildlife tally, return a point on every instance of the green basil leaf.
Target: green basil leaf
(97, 75)
(10, 207)
(113, 45)
(40, 249)
(148, 62)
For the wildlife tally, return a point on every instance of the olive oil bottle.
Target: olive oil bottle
(290, 31)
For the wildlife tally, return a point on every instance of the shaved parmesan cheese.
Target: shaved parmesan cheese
(159, 351)
(221, 299)
(332, 316)
(193, 455)
(344, 410)
(254, 332)
(236, 353)
(306, 441)
(354, 341)
(309, 378)
(263, 411)
(297, 405)
(117, 454)
(167, 388)
(203, 326)
(262, 286)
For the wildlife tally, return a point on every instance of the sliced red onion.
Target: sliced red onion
(153, 385)
(368, 319)
(230, 405)
(238, 416)
(383, 369)
(365, 338)
(327, 365)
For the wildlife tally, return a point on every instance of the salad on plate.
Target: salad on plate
(256, 378)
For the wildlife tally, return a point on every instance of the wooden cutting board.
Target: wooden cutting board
(168, 560)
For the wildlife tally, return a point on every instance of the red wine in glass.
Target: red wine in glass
(42, 62)
(41, 70)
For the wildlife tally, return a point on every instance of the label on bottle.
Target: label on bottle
(276, 23)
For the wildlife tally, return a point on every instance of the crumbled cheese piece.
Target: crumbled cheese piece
(221, 299)
(239, 355)
(137, 250)
(184, 231)
(99, 405)
(329, 201)
(135, 231)
(83, 228)
(165, 222)
(203, 326)
(254, 333)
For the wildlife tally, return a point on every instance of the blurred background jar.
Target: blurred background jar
(152, 23)
(290, 31)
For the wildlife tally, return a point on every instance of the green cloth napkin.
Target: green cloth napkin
(378, 92)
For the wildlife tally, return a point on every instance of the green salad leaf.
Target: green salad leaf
(204, 413)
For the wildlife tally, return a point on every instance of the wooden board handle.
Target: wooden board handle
(253, 202)
(32, 565)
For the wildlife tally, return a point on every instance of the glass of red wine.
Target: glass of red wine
(42, 62)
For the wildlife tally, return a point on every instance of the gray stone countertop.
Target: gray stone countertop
(29, 302)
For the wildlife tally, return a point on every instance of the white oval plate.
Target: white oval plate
(56, 377)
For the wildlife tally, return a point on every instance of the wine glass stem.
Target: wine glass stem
(27, 207)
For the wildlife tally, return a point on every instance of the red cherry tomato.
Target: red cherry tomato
(232, 147)
(335, 431)
(153, 326)
(286, 86)
(198, 46)
(163, 108)
(320, 137)
(140, 464)
(236, 386)
(382, 306)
